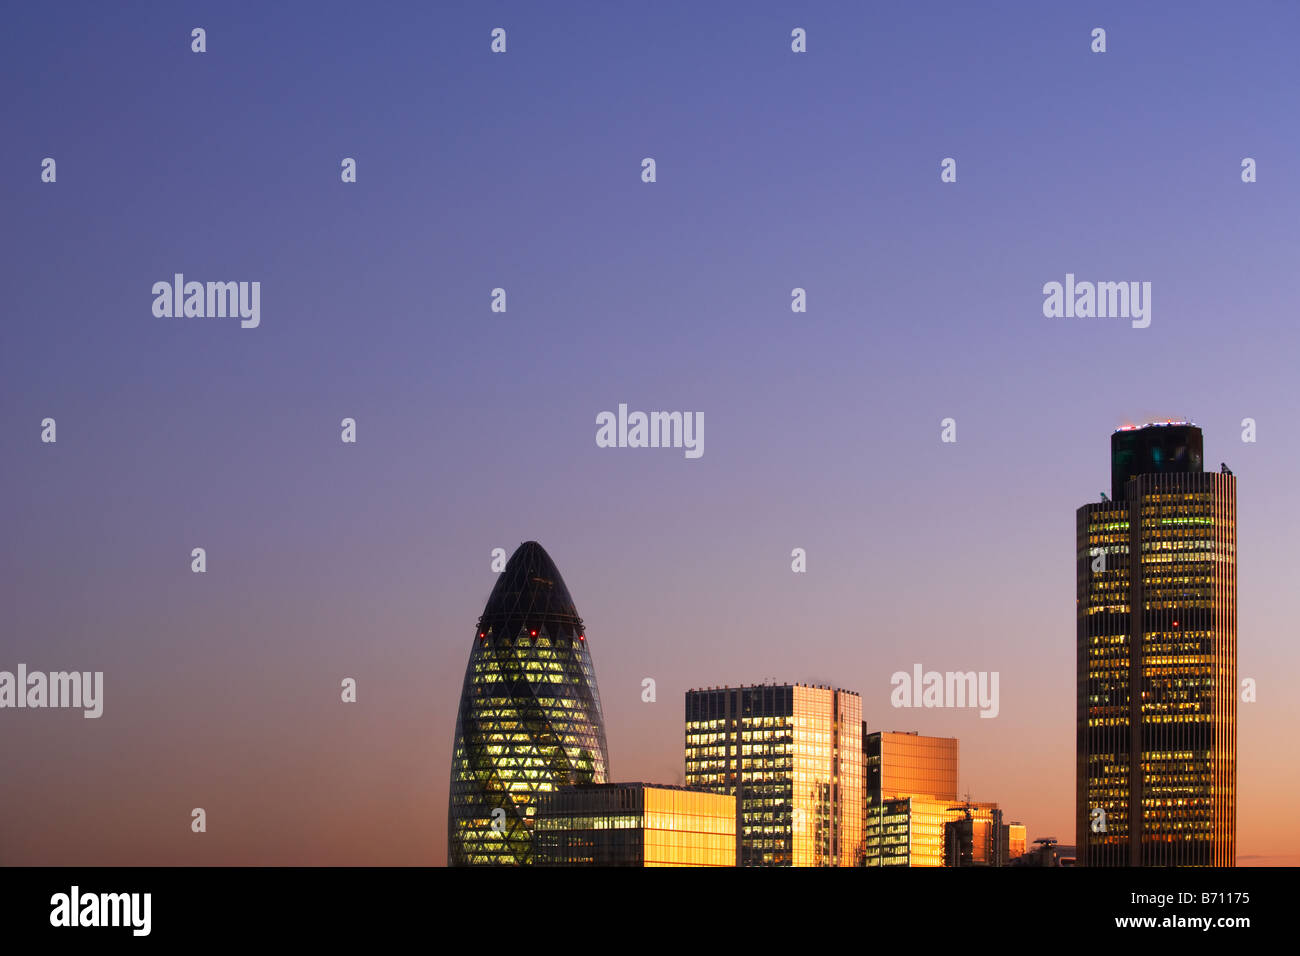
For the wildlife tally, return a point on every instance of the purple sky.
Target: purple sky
(477, 430)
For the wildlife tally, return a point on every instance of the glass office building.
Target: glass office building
(791, 755)
(634, 824)
(920, 830)
(905, 831)
(909, 784)
(529, 719)
(898, 763)
(1157, 658)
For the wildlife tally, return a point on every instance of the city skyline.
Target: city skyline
(1156, 769)
(530, 589)
(476, 429)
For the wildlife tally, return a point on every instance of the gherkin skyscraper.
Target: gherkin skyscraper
(529, 718)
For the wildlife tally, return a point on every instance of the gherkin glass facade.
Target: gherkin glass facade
(529, 719)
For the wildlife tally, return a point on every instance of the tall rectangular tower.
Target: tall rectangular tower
(1156, 746)
(792, 756)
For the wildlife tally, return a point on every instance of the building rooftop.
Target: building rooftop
(797, 683)
(1167, 422)
(633, 785)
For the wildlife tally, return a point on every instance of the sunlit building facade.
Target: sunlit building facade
(792, 756)
(1017, 840)
(905, 831)
(909, 784)
(529, 719)
(1157, 658)
(634, 824)
(921, 830)
(899, 763)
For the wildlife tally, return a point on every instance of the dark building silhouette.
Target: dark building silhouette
(1174, 448)
(1046, 852)
(530, 718)
(977, 838)
(1156, 772)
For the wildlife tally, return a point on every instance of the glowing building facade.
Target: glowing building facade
(900, 763)
(529, 719)
(909, 786)
(634, 824)
(792, 756)
(1017, 840)
(906, 831)
(1157, 658)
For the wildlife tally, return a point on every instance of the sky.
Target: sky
(476, 429)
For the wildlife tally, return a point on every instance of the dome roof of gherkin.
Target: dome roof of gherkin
(529, 591)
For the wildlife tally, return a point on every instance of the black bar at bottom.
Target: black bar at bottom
(548, 908)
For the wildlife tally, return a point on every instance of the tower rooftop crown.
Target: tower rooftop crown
(1168, 447)
(531, 590)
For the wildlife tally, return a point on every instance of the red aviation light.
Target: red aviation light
(532, 633)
